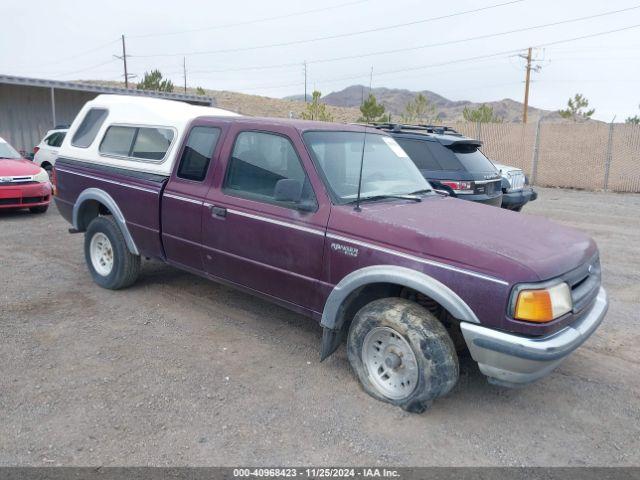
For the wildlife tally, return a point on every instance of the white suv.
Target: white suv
(46, 152)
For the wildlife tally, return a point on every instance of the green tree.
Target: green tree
(419, 110)
(484, 114)
(372, 111)
(316, 110)
(635, 120)
(576, 109)
(153, 81)
(200, 91)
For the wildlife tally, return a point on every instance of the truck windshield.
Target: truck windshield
(7, 151)
(386, 170)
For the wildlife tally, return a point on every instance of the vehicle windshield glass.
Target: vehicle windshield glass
(472, 158)
(386, 169)
(7, 151)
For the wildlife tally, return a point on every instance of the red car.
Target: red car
(23, 184)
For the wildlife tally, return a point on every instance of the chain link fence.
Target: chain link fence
(592, 156)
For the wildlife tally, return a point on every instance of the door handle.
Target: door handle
(218, 211)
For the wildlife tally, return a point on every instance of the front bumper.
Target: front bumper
(25, 195)
(513, 200)
(513, 360)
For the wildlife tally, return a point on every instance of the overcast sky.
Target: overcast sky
(77, 40)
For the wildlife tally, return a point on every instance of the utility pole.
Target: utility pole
(124, 59)
(305, 81)
(526, 86)
(370, 79)
(527, 82)
(184, 71)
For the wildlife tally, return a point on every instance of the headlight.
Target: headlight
(542, 304)
(41, 177)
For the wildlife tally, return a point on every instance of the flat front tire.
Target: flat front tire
(402, 354)
(110, 262)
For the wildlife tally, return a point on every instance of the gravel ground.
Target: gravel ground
(180, 371)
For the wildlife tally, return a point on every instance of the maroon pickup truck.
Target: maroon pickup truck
(335, 222)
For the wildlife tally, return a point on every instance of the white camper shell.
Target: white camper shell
(133, 133)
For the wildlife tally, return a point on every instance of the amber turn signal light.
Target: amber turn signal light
(543, 305)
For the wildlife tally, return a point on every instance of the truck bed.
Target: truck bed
(138, 195)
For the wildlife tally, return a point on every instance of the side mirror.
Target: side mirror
(288, 190)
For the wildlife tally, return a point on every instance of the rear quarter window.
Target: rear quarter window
(88, 129)
(197, 153)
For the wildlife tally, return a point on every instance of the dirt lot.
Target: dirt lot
(180, 371)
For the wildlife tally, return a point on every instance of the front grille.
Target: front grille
(584, 282)
(23, 200)
(517, 180)
(24, 180)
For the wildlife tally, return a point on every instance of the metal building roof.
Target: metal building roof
(88, 87)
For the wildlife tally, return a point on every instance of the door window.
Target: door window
(197, 153)
(258, 162)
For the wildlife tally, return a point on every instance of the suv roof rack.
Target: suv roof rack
(397, 127)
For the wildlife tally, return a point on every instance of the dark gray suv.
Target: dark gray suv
(450, 161)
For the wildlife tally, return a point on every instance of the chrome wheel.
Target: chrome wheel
(390, 363)
(101, 253)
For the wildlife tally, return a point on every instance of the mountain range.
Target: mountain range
(446, 110)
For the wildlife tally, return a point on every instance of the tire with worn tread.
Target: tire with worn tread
(126, 265)
(433, 350)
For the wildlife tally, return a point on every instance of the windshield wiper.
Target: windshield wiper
(382, 197)
(418, 192)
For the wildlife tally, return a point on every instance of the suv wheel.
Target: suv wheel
(110, 262)
(402, 354)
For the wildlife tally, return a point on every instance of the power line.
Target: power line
(424, 46)
(251, 22)
(84, 69)
(331, 37)
(73, 57)
(460, 60)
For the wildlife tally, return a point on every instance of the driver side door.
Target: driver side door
(255, 240)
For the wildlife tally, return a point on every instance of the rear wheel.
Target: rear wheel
(39, 209)
(110, 262)
(402, 354)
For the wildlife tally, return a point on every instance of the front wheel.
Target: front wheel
(110, 262)
(402, 354)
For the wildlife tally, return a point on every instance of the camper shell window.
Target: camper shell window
(88, 129)
(147, 144)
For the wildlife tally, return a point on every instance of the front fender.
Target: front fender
(402, 276)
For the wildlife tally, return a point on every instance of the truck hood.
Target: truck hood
(15, 168)
(509, 245)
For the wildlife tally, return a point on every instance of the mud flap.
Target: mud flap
(331, 340)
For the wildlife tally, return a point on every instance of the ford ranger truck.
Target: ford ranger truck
(335, 222)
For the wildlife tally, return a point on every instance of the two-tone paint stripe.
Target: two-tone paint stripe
(102, 179)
